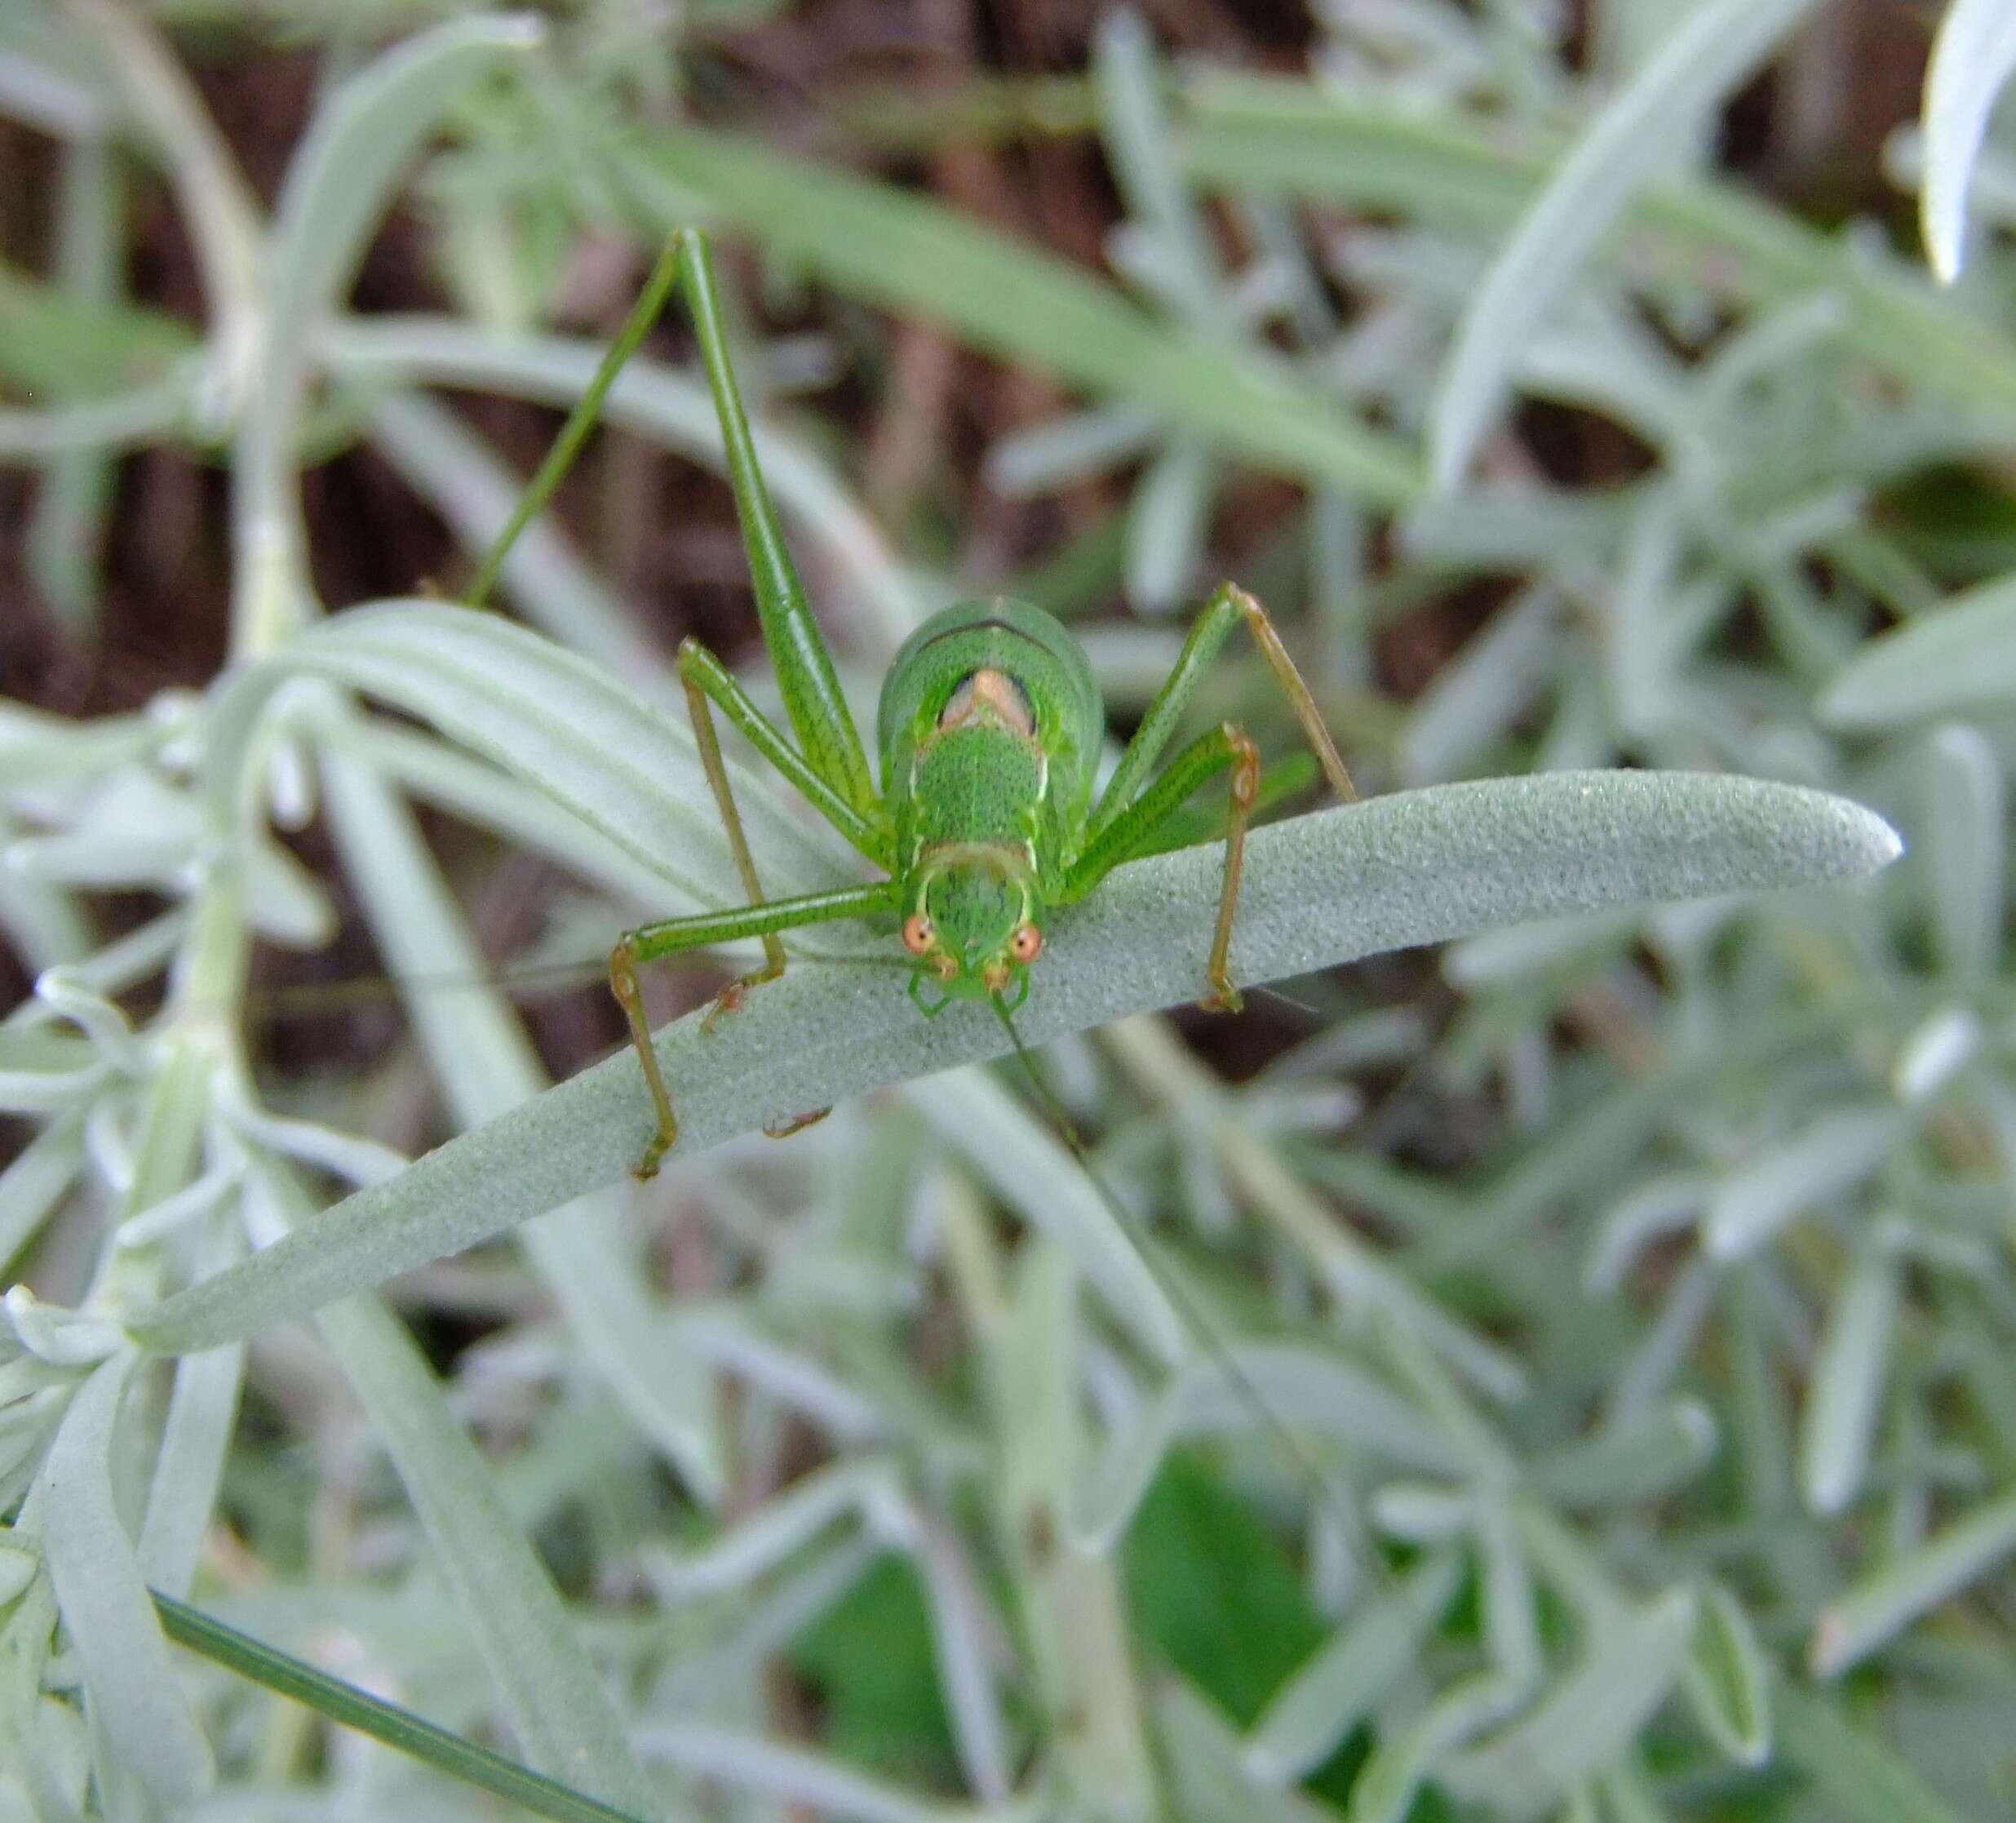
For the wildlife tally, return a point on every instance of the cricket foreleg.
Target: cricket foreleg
(674, 936)
(711, 762)
(1135, 831)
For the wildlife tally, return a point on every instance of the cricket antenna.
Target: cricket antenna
(1192, 1315)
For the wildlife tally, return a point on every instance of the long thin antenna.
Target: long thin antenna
(1192, 1314)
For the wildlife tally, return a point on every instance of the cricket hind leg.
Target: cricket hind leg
(1228, 606)
(1226, 748)
(1131, 812)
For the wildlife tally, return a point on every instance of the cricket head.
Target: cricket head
(975, 923)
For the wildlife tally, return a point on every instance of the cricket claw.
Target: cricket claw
(796, 1123)
(647, 1167)
(1223, 997)
(730, 999)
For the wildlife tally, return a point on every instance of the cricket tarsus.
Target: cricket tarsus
(988, 733)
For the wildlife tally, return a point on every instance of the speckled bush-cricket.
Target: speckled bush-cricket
(988, 732)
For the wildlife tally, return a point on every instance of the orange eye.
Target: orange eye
(918, 932)
(1026, 944)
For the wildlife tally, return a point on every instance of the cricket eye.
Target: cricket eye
(918, 931)
(1026, 944)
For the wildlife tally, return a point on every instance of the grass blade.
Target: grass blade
(910, 253)
(399, 1729)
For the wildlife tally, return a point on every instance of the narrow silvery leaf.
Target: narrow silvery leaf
(343, 177)
(1833, 1154)
(1586, 1718)
(1146, 164)
(1971, 59)
(1958, 656)
(1651, 124)
(1385, 1789)
(444, 462)
(1499, 958)
(565, 725)
(654, 402)
(1073, 447)
(1875, 1610)
(1844, 1392)
(189, 1466)
(1340, 1683)
(1207, 1777)
(1510, 1617)
(1727, 1679)
(1855, 1776)
(1414, 868)
(1476, 698)
(129, 1680)
(1667, 1203)
(1167, 524)
(36, 1180)
(486, 1064)
(1934, 1051)
(1302, 1387)
(782, 1525)
(1030, 1170)
(797, 1779)
(1646, 1455)
(1417, 1513)
(1966, 818)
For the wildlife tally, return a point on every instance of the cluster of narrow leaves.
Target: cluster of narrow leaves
(1641, 1349)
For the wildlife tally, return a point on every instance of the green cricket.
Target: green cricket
(989, 732)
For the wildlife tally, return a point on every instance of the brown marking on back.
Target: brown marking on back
(992, 692)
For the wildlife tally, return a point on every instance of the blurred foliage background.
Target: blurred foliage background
(1568, 380)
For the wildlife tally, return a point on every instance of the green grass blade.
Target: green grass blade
(399, 1729)
(910, 254)
(1415, 867)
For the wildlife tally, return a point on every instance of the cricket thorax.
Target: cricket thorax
(979, 773)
